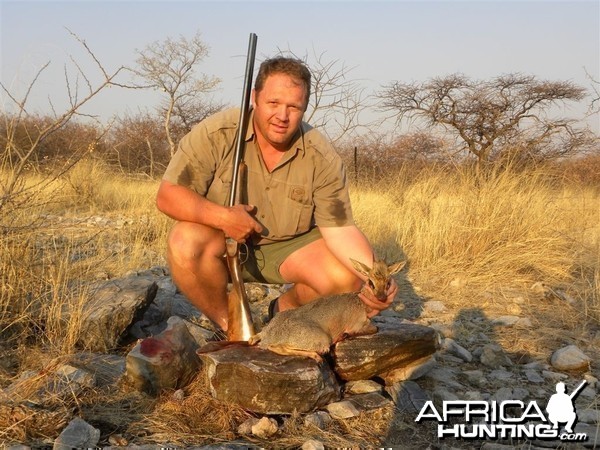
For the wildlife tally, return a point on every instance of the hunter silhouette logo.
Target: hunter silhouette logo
(560, 407)
(480, 419)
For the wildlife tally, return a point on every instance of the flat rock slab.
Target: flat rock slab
(392, 347)
(112, 308)
(267, 383)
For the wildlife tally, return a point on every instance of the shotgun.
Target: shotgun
(240, 326)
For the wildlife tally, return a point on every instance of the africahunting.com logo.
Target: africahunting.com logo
(509, 419)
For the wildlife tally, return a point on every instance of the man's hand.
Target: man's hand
(237, 222)
(376, 306)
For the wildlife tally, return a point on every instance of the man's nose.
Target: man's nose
(282, 113)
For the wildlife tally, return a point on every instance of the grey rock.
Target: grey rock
(266, 383)
(342, 410)
(451, 346)
(265, 427)
(166, 361)
(395, 345)
(493, 356)
(533, 376)
(570, 358)
(408, 396)
(319, 419)
(78, 434)
(112, 308)
(412, 371)
(433, 307)
(501, 374)
(362, 387)
(591, 416)
(313, 444)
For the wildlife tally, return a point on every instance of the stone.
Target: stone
(570, 358)
(392, 347)
(554, 376)
(313, 444)
(112, 308)
(362, 387)
(446, 376)
(451, 346)
(412, 371)
(591, 416)
(46, 386)
(441, 394)
(592, 432)
(408, 396)
(266, 383)
(78, 434)
(265, 427)
(166, 361)
(501, 375)
(474, 377)
(369, 401)
(493, 356)
(245, 427)
(533, 376)
(433, 307)
(319, 419)
(342, 410)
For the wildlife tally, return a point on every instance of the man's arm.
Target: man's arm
(349, 242)
(185, 205)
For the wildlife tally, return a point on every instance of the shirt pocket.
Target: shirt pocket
(219, 189)
(296, 216)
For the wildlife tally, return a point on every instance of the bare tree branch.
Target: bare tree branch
(169, 66)
(336, 101)
(15, 156)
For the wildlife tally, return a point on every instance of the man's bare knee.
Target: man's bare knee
(188, 243)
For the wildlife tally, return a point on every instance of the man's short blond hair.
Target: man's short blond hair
(295, 68)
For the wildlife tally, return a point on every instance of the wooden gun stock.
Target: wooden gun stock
(240, 326)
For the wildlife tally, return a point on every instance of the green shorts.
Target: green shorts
(262, 264)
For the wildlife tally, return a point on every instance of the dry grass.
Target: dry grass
(476, 244)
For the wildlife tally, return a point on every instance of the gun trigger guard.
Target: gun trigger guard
(244, 253)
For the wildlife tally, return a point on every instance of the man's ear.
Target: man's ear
(253, 98)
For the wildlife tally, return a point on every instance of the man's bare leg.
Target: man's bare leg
(195, 256)
(315, 272)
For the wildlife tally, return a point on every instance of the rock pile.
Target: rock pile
(402, 367)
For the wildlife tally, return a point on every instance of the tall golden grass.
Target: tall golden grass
(490, 233)
(510, 228)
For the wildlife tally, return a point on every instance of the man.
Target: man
(297, 220)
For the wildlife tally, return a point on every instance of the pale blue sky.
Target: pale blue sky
(384, 41)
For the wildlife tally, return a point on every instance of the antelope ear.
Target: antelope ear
(397, 267)
(360, 267)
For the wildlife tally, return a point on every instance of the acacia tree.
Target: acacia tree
(507, 112)
(169, 66)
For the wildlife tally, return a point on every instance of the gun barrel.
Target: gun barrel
(240, 326)
(243, 125)
(576, 391)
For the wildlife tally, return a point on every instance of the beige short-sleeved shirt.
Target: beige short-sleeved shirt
(307, 188)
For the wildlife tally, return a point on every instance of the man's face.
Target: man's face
(278, 109)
